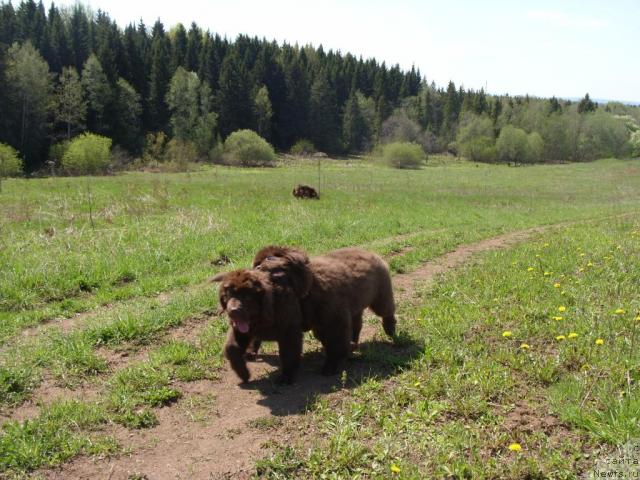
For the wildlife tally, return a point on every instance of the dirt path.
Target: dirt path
(240, 421)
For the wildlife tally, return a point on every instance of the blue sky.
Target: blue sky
(564, 47)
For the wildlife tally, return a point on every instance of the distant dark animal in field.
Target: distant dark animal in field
(333, 292)
(305, 191)
(265, 306)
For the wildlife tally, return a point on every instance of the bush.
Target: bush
(57, 151)
(479, 149)
(87, 154)
(635, 143)
(155, 145)
(10, 163)
(512, 145)
(180, 153)
(403, 155)
(248, 149)
(303, 147)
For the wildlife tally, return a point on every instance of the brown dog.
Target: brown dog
(305, 191)
(264, 306)
(343, 283)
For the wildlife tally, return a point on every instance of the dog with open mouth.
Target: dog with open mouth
(264, 306)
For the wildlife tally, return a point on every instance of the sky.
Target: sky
(543, 48)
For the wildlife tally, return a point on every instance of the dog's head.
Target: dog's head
(247, 298)
(287, 268)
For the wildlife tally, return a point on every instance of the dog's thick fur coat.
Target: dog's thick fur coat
(343, 284)
(305, 191)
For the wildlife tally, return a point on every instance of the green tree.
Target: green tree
(159, 79)
(128, 109)
(234, 96)
(586, 105)
(475, 139)
(246, 148)
(29, 88)
(263, 112)
(512, 145)
(354, 127)
(71, 107)
(535, 148)
(98, 94)
(323, 115)
(192, 118)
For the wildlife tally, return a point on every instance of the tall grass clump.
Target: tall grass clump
(246, 148)
(87, 154)
(403, 155)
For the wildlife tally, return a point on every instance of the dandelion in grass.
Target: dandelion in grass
(530, 269)
(515, 447)
(556, 285)
(563, 292)
(599, 341)
(562, 308)
(572, 335)
(557, 318)
(546, 274)
(619, 311)
(589, 264)
(638, 318)
(507, 334)
(546, 245)
(583, 254)
(525, 346)
(395, 468)
(560, 338)
(417, 384)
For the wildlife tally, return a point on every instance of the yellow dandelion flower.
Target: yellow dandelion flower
(537, 255)
(599, 341)
(562, 308)
(581, 269)
(619, 311)
(556, 285)
(525, 346)
(563, 292)
(572, 335)
(589, 264)
(557, 317)
(546, 244)
(515, 447)
(560, 338)
(583, 254)
(395, 468)
(546, 274)
(507, 334)
(417, 384)
(530, 269)
(638, 318)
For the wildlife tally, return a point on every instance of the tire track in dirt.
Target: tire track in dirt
(227, 446)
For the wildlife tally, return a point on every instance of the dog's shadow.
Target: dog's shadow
(376, 359)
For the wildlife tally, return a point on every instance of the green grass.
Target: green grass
(495, 370)
(167, 233)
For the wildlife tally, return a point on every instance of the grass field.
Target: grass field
(131, 254)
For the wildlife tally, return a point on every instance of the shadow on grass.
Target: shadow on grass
(375, 359)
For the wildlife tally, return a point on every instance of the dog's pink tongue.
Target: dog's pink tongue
(241, 325)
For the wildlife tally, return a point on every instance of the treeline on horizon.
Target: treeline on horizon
(68, 70)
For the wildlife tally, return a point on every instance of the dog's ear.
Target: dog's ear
(218, 277)
(300, 274)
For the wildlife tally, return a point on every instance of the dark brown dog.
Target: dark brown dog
(264, 306)
(305, 191)
(343, 283)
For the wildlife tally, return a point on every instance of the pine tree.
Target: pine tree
(159, 79)
(234, 97)
(294, 123)
(586, 105)
(8, 24)
(194, 44)
(323, 115)
(79, 37)
(354, 128)
(98, 93)
(128, 126)
(178, 47)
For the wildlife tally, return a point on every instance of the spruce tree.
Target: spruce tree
(323, 115)
(159, 78)
(234, 96)
(354, 129)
